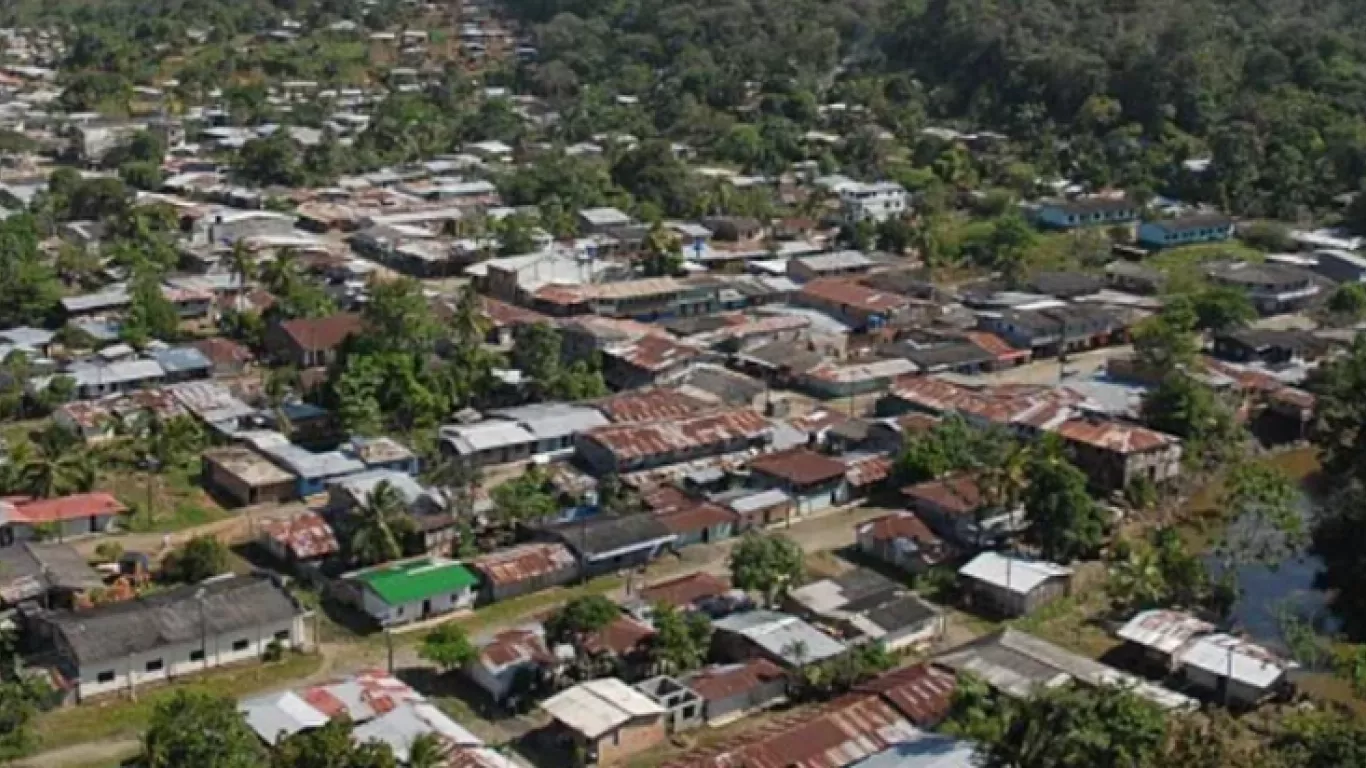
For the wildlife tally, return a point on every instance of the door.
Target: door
(426, 608)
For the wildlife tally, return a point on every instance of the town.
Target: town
(413, 421)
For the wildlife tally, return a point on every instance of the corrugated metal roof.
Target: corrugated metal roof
(600, 706)
(1164, 631)
(1242, 660)
(636, 441)
(1012, 573)
(521, 563)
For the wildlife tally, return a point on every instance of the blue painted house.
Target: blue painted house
(1186, 230)
(1088, 212)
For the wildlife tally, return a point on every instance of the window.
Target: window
(282, 635)
(240, 645)
(154, 665)
(196, 655)
(106, 676)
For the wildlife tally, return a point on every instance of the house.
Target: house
(81, 514)
(1020, 665)
(1064, 285)
(781, 638)
(97, 378)
(759, 509)
(552, 426)
(310, 342)
(830, 379)
(650, 404)
(700, 522)
(50, 572)
(1051, 331)
(226, 357)
(243, 477)
(1185, 230)
(175, 632)
(814, 481)
(836, 264)
(875, 202)
(1268, 346)
(311, 471)
(523, 569)
(624, 644)
(1272, 288)
(1088, 212)
(384, 453)
(1134, 278)
(687, 593)
(488, 443)
(646, 361)
(1232, 670)
(415, 590)
(610, 544)
(596, 221)
(682, 707)
(1160, 635)
(953, 508)
(605, 722)
(1114, 454)
(840, 733)
(729, 692)
(868, 607)
(305, 538)
(925, 750)
(621, 448)
(855, 305)
(1009, 586)
(902, 540)
(502, 658)
(1340, 266)
(922, 693)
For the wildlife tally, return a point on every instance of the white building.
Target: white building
(875, 202)
(178, 632)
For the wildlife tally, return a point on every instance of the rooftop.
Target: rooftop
(75, 507)
(778, 634)
(420, 579)
(799, 466)
(523, 562)
(651, 404)
(636, 441)
(922, 693)
(304, 536)
(248, 466)
(598, 707)
(322, 333)
(721, 682)
(1012, 573)
(849, 293)
(685, 591)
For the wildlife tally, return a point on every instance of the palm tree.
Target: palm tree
(469, 325)
(1137, 581)
(379, 526)
(281, 274)
(458, 482)
(242, 263)
(428, 751)
(45, 472)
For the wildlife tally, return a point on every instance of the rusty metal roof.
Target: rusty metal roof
(799, 466)
(652, 404)
(722, 682)
(850, 293)
(922, 693)
(653, 353)
(305, 536)
(685, 590)
(636, 441)
(521, 563)
(1114, 436)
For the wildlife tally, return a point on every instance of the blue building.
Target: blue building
(1186, 230)
(1088, 212)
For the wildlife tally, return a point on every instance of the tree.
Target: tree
(1159, 571)
(272, 160)
(150, 314)
(447, 647)
(1339, 538)
(524, 499)
(1166, 341)
(581, 617)
(332, 746)
(662, 254)
(681, 640)
(1267, 526)
(1339, 387)
(428, 751)
(1322, 740)
(951, 445)
(199, 729)
(1348, 301)
(200, 558)
(1065, 523)
(766, 564)
(1191, 410)
(378, 528)
(398, 317)
(50, 468)
(146, 176)
(1012, 238)
(515, 235)
(1223, 308)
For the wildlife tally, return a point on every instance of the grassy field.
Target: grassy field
(177, 500)
(121, 718)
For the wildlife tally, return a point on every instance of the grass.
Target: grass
(177, 501)
(116, 718)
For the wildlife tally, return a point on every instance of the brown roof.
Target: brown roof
(223, 351)
(667, 498)
(922, 693)
(321, 333)
(623, 636)
(522, 563)
(714, 683)
(685, 590)
(995, 345)
(838, 734)
(898, 525)
(850, 293)
(653, 404)
(74, 507)
(654, 353)
(635, 441)
(799, 466)
(512, 646)
(957, 495)
(696, 518)
(1113, 436)
(504, 315)
(305, 536)
(866, 470)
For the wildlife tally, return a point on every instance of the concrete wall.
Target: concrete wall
(630, 739)
(388, 615)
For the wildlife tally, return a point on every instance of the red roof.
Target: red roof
(799, 466)
(685, 590)
(654, 353)
(504, 315)
(714, 683)
(223, 351)
(513, 646)
(637, 441)
(696, 518)
(81, 505)
(995, 345)
(622, 637)
(528, 561)
(1114, 436)
(305, 536)
(667, 498)
(851, 294)
(898, 525)
(866, 470)
(322, 333)
(956, 495)
(922, 693)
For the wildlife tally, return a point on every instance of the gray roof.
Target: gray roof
(607, 537)
(836, 261)
(29, 569)
(178, 359)
(548, 421)
(308, 464)
(112, 297)
(777, 633)
(229, 604)
(93, 374)
(926, 750)
(27, 337)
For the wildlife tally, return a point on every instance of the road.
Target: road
(824, 532)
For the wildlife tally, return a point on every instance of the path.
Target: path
(830, 530)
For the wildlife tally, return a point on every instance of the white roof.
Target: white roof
(1163, 631)
(400, 727)
(1233, 657)
(601, 706)
(778, 634)
(280, 715)
(1012, 573)
(486, 435)
(924, 750)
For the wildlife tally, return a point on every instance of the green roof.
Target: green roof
(417, 580)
